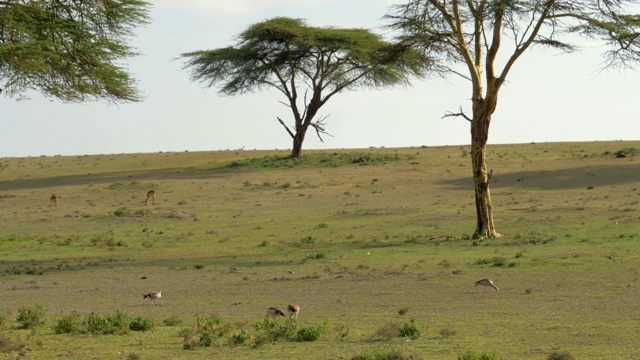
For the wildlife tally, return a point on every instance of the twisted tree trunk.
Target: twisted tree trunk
(482, 111)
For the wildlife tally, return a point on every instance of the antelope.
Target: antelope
(54, 201)
(293, 309)
(487, 284)
(153, 296)
(273, 312)
(151, 195)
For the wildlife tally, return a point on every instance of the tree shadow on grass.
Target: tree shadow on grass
(560, 179)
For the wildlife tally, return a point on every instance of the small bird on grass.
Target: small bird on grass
(153, 296)
(487, 284)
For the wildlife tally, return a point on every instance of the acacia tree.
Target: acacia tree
(287, 54)
(470, 33)
(68, 49)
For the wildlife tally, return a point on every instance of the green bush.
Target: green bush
(309, 333)
(172, 320)
(141, 324)
(240, 338)
(207, 332)
(472, 355)
(123, 211)
(410, 330)
(564, 355)
(274, 330)
(386, 355)
(110, 324)
(68, 324)
(30, 317)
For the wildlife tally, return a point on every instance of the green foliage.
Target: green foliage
(126, 212)
(410, 329)
(3, 319)
(315, 256)
(68, 324)
(71, 50)
(393, 354)
(316, 159)
(307, 240)
(472, 355)
(117, 323)
(275, 330)
(285, 53)
(562, 355)
(310, 333)
(172, 320)
(30, 317)
(207, 332)
(240, 338)
(123, 211)
(141, 324)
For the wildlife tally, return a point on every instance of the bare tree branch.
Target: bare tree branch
(286, 128)
(319, 126)
(458, 114)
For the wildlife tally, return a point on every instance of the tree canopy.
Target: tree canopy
(466, 38)
(69, 49)
(287, 54)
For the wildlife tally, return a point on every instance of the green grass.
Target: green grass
(367, 242)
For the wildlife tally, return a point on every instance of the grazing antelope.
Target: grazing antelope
(293, 309)
(487, 284)
(273, 312)
(54, 201)
(151, 195)
(153, 296)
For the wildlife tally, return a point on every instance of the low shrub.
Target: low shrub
(564, 355)
(141, 324)
(30, 317)
(240, 338)
(410, 329)
(68, 324)
(382, 355)
(472, 355)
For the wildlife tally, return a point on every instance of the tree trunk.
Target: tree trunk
(298, 139)
(479, 137)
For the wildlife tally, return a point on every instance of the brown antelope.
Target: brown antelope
(151, 195)
(293, 309)
(273, 312)
(487, 284)
(153, 296)
(54, 201)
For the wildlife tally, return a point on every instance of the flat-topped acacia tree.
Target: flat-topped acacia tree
(69, 49)
(465, 38)
(286, 54)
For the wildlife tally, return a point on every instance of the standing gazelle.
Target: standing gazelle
(293, 309)
(274, 312)
(54, 201)
(151, 195)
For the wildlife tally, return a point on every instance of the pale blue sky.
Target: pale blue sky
(548, 97)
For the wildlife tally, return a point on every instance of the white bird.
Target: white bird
(153, 296)
(487, 284)
(293, 309)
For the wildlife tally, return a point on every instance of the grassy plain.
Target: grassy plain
(363, 240)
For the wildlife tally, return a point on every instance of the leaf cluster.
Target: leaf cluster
(276, 52)
(69, 49)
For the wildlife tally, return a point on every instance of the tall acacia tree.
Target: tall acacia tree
(471, 33)
(69, 49)
(287, 54)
